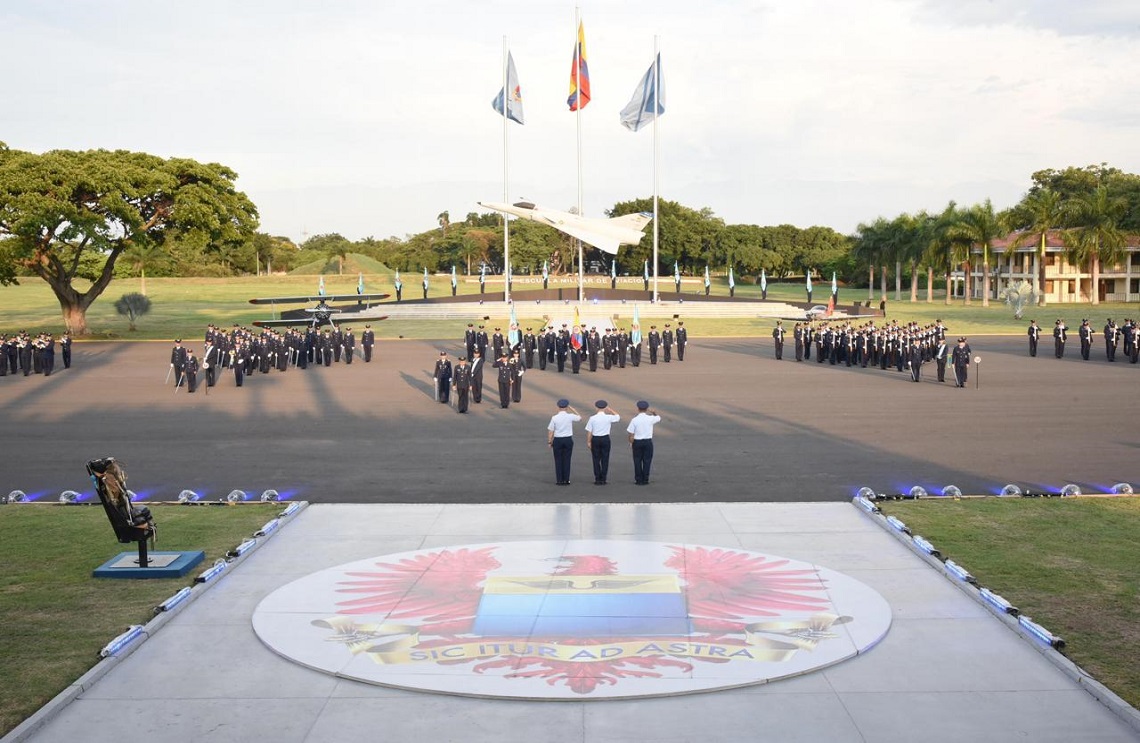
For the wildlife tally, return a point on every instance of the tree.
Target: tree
(1096, 236)
(1039, 212)
(63, 207)
(980, 225)
(132, 306)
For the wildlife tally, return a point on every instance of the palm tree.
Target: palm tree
(1096, 236)
(980, 225)
(140, 255)
(1038, 213)
(444, 219)
(867, 246)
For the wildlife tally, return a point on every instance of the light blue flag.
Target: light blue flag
(425, 278)
(648, 101)
(321, 286)
(482, 274)
(397, 283)
(454, 280)
(834, 286)
(360, 283)
(514, 337)
(731, 281)
(514, 90)
(635, 328)
(613, 269)
(646, 271)
(707, 282)
(676, 273)
(545, 271)
(763, 281)
(809, 279)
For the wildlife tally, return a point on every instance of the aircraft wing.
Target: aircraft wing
(605, 234)
(319, 298)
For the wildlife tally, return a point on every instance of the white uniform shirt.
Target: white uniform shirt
(642, 425)
(600, 422)
(562, 424)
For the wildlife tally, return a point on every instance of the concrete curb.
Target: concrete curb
(46, 713)
(1122, 709)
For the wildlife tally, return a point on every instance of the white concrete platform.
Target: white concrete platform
(947, 670)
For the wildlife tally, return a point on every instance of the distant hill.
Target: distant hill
(355, 263)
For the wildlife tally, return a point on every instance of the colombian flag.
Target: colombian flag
(579, 74)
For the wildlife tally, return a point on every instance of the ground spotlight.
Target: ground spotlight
(917, 492)
(133, 633)
(242, 548)
(1040, 633)
(1011, 489)
(16, 496)
(898, 525)
(270, 495)
(68, 496)
(952, 491)
(866, 492)
(959, 572)
(188, 496)
(236, 496)
(1070, 490)
(1122, 488)
(998, 602)
(925, 546)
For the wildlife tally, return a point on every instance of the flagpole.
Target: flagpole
(506, 173)
(578, 121)
(656, 183)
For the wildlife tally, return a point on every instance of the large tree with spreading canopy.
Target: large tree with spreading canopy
(61, 209)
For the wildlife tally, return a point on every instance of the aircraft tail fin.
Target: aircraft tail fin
(636, 221)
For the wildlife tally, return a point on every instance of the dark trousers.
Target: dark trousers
(600, 453)
(563, 447)
(367, 354)
(477, 389)
(461, 399)
(642, 459)
(504, 394)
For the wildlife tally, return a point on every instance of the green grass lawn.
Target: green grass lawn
(1071, 564)
(182, 307)
(56, 617)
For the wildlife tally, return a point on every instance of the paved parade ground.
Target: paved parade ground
(397, 480)
(737, 426)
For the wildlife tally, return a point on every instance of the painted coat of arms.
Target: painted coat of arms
(579, 619)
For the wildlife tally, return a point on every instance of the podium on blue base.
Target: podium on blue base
(159, 565)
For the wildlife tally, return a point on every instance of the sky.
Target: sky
(369, 119)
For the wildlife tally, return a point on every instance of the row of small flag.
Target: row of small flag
(647, 103)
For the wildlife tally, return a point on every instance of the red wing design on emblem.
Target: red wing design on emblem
(724, 586)
(442, 586)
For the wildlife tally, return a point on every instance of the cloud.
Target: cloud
(1064, 17)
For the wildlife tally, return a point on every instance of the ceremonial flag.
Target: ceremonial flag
(809, 279)
(397, 282)
(454, 280)
(577, 317)
(513, 335)
(676, 273)
(834, 286)
(648, 101)
(763, 281)
(425, 278)
(545, 272)
(613, 269)
(645, 271)
(514, 101)
(731, 281)
(321, 286)
(360, 283)
(579, 73)
(635, 328)
(707, 282)
(482, 274)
